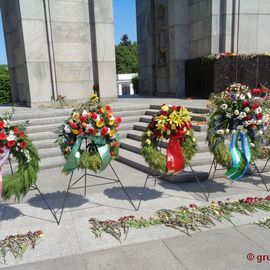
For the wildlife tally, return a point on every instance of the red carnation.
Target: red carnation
(259, 116)
(118, 119)
(91, 131)
(2, 124)
(94, 116)
(73, 125)
(22, 134)
(112, 154)
(179, 108)
(247, 118)
(3, 136)
(104, 131)
(83, 118)
(188, 125)
(256, 91)
(11, 144)
(174, 107)
(16, 131)
(2, 151)
(108, 108)
(164, 113)
(254, 107)
(246, 103)
(23, 144)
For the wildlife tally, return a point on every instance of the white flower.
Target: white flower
(224, 106)
(11, 132)
(148, 141)
(11, 138)
(259, 122)
(252, 145)
(67, 129)
(228, 115)
(233, 131)
(260, 132)
(84, 113)
(194, 139)
(247, 109)
(249, 95)
(258, 110)
(242, 115)
(240, 127)
(227, 131)
(88, 126)
(236, 112)
(220, 132)
(242, 97)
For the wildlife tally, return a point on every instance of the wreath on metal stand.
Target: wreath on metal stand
(89, 141)
(238, 115)
(15, 144)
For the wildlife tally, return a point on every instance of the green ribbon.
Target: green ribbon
(73, 160)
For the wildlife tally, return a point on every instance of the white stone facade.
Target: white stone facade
(124, 84)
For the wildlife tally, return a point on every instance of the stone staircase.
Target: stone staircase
(135, 118)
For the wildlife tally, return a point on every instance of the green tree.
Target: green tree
(126, 54)
(5, 92)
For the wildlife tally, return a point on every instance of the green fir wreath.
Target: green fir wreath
(22, 150)
(171, 120)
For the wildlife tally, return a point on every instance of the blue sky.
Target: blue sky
(124, 20)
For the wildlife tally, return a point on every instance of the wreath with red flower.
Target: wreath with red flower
(88, 139)
(15, 144)
(171, 123)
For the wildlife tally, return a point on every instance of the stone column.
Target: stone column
(120, 89)
(131, 89)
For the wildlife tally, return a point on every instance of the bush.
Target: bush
(135, 82)
(5, 91)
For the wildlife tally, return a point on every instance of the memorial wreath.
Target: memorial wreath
(174, 124)
(238, 113)
(14, 143)
(95, 124)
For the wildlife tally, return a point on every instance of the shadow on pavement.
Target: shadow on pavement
(8, 212)
(134, 193)
(56, 200)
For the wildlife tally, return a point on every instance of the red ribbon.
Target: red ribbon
(175, 157)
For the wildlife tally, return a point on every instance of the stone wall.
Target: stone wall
(64, 47)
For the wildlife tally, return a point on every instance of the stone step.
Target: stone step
(137, 134)
(147, 119)
(194, 116)
(44, 144)
(191, 109)
(137, 161)
(135, 146)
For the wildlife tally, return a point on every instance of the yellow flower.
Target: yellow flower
(75, 131)
(100, 123)
(168, 132)
(102, 109)
(94, 98)
(75, 116)
(112, 132)
(187, 133)
(111, 122)
(148, 141)
(165, 108)
(194, 140)
(173, 127)
(149, 133)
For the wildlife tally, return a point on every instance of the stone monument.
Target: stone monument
(59, 48)
(173, 31)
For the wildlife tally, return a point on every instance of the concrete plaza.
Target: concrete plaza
(71, 245)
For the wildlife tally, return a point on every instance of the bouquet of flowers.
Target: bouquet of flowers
(172, 123)
(94, 123)
(15, 143)
(239, 113)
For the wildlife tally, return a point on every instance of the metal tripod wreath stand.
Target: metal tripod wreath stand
(34, 187)
(214, 168)
(153, 174)
(86, 174)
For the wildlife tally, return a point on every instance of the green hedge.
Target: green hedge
(135, 81)
(5, 91)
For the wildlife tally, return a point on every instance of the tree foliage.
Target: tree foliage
(5, 91)
(126, 56)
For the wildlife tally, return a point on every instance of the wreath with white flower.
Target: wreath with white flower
(171, 123)
(94, 124)
(238, 115)
(14, 143)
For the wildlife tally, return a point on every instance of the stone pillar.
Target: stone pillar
(131, 89)
(59, 48)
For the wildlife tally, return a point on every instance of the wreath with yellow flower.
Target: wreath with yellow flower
(95, 125)
(172, 123)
